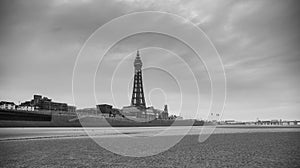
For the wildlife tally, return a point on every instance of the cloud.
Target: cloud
(257, 40)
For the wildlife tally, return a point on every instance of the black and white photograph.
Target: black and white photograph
(149, 83)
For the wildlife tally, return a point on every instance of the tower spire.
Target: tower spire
(138, 98)
(138, 62)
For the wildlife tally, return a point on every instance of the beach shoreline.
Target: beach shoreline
(259, 149)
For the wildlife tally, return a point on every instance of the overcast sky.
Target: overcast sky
(258, 41)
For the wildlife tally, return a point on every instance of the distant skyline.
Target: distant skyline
(257, 41)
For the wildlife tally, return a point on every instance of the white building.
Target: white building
(7, 105)
(134, 112)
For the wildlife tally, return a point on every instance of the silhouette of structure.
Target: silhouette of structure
(138, 98)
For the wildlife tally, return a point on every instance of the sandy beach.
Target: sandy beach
(231, 148)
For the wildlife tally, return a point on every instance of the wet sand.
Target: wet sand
(239, 149)
(29, 133)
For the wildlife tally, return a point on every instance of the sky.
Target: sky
(257, 41)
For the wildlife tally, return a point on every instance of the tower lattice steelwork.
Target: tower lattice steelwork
(138, 98)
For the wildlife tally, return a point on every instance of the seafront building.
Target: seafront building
(38, 103)
(7, 105)
(273, 122)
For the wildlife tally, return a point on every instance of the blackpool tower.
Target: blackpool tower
(138, 98)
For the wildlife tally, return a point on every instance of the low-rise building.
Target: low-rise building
(131, 111)
(72, 109)
(107, 110)
(43, 103)
(165, 114)
(87, 111)
(7, 105)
